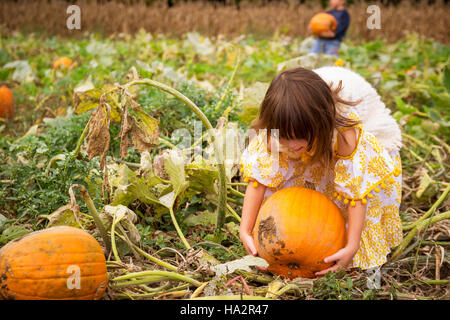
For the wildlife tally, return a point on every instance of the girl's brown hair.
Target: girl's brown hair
(301, 105)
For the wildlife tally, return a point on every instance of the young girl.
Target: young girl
(323, 145)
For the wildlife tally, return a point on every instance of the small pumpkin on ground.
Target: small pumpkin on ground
(322, 22)
(296, 229)
(6, 103)
(58, 263)
(64, 61)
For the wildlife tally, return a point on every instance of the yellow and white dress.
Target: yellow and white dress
(371, 174)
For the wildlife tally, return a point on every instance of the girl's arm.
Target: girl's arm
(252, 202)
(356, 217)
(356, 214)
(344, 257)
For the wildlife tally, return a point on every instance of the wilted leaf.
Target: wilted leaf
(425, 182)
(125, 129)
(89, 99)
(145, 131)
(128, 187)
(240, 264)
(126, 217)
(63, 216)
(98, 138)
(174, 167)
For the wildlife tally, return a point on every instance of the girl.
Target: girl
(323, 145)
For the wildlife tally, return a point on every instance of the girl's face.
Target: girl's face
(293, 148)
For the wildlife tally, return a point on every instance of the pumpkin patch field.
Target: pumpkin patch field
(113, 164)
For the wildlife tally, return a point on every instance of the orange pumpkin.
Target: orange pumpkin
(322, 22)
(67, 62)
(296, 229)
(6, 103)
(59, 263)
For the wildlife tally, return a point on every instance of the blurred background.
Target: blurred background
(227, 17)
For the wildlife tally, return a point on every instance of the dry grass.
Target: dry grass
(112, 17)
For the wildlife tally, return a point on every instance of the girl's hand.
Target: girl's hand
(343, 258)
(249, 243)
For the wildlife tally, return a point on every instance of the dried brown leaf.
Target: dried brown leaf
(98, 138)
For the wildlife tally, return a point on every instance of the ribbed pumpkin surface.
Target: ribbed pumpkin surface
(322, 22)
(46, 264)
(296, 229)
(6, 103)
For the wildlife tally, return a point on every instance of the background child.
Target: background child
(329, 42)
(323, 145)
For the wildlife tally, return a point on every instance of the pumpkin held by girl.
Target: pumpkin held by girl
(296, 229)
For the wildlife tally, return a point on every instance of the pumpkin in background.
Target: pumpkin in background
(55, 263)
(322, 22)
(296, 229)
(6, 103)
(62, 61)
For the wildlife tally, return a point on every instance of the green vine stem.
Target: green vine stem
(76, 151)
(98, 222)
(177, 227)
(168, 274)
(150, 294)
(220, 163)
(419, 226)
(113, 238)
(145, 280)
(289, 287)
(152, 258)
(438, 202)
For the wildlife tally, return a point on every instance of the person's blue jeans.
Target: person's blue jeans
(326, 46)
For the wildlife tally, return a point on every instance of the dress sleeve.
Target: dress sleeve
(259, 165)
(366, 170)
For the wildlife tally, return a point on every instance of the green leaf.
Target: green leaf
(202, 176)
(403, 107)
(13, 232)
(447, 79)
(204, 218)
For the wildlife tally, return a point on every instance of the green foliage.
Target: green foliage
(35, 189)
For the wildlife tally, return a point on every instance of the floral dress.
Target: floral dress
(371, 174)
